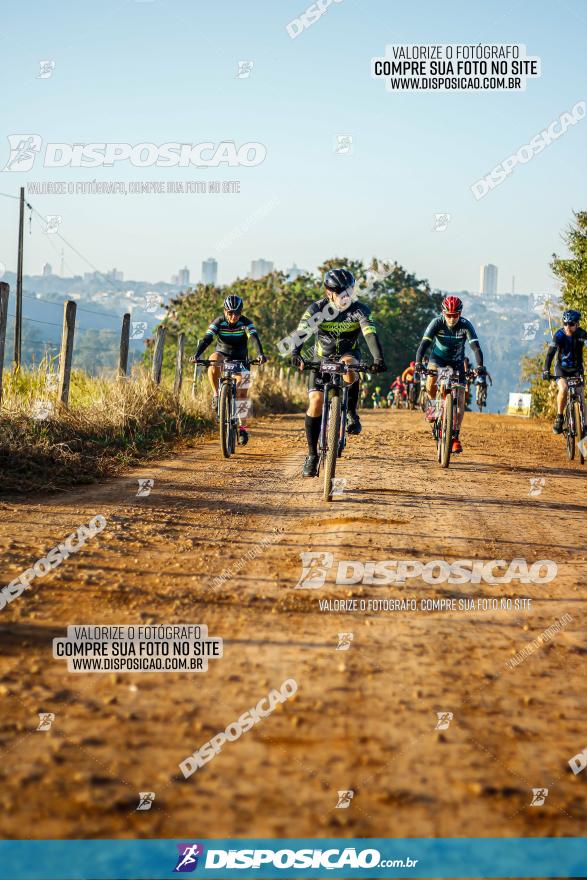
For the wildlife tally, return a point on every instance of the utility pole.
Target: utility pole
(18, 318)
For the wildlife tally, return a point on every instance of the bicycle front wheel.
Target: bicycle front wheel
(225, 418)
(445, 442)
(578, 426)
(333, 435)
(570, 433)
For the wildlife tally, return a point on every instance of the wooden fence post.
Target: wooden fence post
(66, 355)
(158, 355)
(124, 341)
(4, 292)
(179, 365)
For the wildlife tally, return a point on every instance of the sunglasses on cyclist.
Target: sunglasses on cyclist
(451, 314)
(233, 311)
(570, 323)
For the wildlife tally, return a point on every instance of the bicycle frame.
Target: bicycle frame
(334, 386)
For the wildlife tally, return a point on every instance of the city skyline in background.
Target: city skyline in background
(488, 276)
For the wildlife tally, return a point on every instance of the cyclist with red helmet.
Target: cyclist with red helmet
(448, 334)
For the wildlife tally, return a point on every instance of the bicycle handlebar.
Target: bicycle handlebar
(205, 362)
(337, 367)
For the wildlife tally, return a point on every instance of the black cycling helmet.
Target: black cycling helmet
(233, 303)
(571, 316)
(338, 280)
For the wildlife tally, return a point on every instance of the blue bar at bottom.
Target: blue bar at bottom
(303, 858)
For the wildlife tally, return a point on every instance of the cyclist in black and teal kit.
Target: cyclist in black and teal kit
(337, 319)
(567, 343)
(448, 334)
(232, 332)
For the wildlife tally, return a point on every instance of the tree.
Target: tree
(572, 272)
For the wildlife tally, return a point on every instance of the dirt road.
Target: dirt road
(363, 719)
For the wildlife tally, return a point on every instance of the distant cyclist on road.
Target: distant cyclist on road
(408, 377)
(232, 332)
(567, 343)
(336, 336)
(398, 389)
(377, 398)
(448, 334)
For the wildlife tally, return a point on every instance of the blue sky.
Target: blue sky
(165, 70)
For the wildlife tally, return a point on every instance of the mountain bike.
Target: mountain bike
(227, 400)
(413, 393)
(481, 391)
(446, 422)
(573, 419)
(332, 439)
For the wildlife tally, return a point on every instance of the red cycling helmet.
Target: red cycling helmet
(452, 305)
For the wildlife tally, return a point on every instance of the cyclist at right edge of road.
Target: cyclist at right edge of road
(567, 343)
(448, 334)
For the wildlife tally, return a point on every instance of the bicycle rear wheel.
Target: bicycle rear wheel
(225, 418)
(445, 442)
(569, 430)
(578, 423)
(333, 435)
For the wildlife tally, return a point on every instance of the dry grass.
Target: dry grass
(108, 426)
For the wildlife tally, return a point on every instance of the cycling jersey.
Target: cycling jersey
(568, 350)
(448, 343)
(337, 333)
(408, 374)
(231, 339)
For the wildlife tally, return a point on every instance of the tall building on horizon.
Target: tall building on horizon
(260, 268)
(488, 280)
(183, 277)
(294, 272)
(209, 271)
(47, 269)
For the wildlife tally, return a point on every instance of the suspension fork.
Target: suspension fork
(324, 422)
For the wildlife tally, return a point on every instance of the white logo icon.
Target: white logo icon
(244, 69)
(338, 485)
(243, 408)
(46, 69)
(138, 329)
(41, 409)
(344, 641)
(539, 795)
(530, 329)
(146, 799)
(314, 569)
(343, 145)
(53, 222)
(536, 486)
(582, 444)
(444, 719)
(344, 799)
(441, 222)
(145, 487)
(153, 302)
(46, 719)
(23, 150)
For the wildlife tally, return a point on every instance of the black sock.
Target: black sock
(313, 433)
(353, 398)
